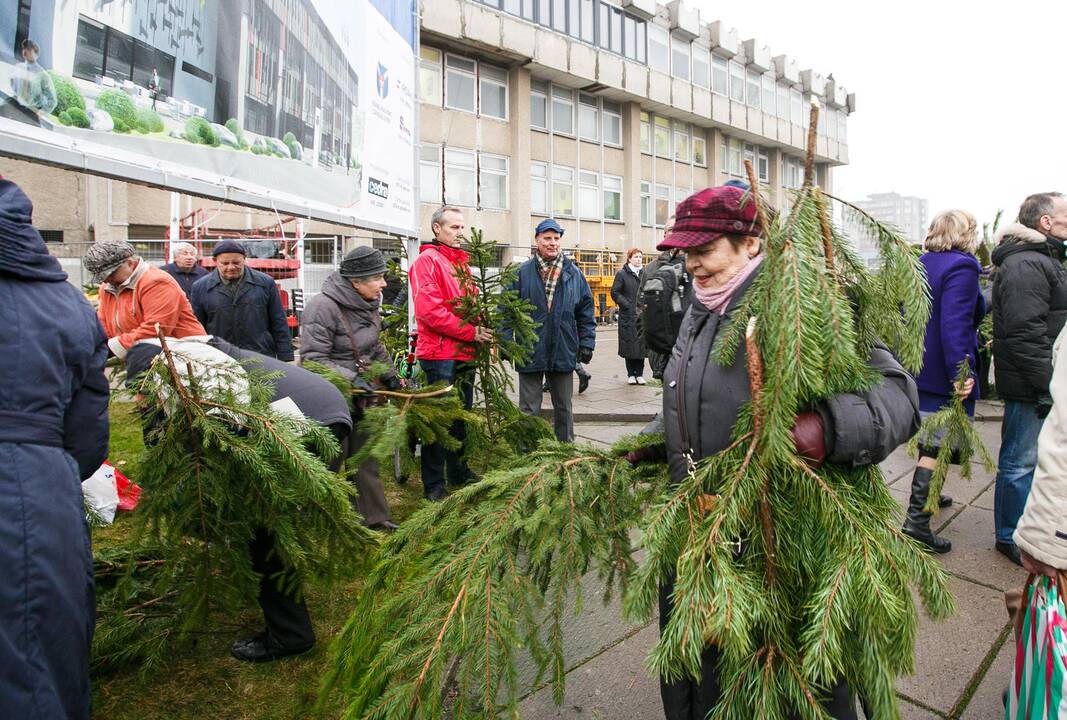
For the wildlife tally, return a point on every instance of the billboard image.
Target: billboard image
(304, 106)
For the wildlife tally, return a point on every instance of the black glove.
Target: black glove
(363, 385)
(585, 354)
(391, 382)
(1043, 407)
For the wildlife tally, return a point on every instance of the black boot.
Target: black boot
(917, 522)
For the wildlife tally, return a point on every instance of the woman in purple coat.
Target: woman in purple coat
(957, 307)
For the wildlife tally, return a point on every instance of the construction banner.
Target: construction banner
(303, 106)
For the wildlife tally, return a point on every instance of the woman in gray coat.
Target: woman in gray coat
(341, 328)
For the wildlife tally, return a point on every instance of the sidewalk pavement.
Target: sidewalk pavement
(962, 665)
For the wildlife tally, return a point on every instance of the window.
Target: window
(680, 51)
(612, 198)
(588, 195)
(700, 148)
(794, 172)
(559, 15)
(680, 194)
(701, 69)
(588, 120)
(732, 149)
(89, 51)
(430, 173)
(562, 110)
(663, 137)
(658, 53)
(829, 126)
(681, 142)
(763, 166)
(539, 105)
(612, 123)
(720, 75)
(663, 204)
(646, 134)
(754, 85)
(430, 75)
(102, 51)
(646, 203)
(768, 93)
(493, 90)
(737, 81)
(842, 127)
(562, 190)
(493, 181)
(783, 101)
(588, 13)
(539, 188)
(118, 61)
(461, 187)
(459, 83)
(796, 106)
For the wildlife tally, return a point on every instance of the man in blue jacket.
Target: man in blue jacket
(563, 304)
(53, 434)
(241, 305)
(186, 268)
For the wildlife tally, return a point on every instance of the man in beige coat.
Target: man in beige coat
(1041, 534)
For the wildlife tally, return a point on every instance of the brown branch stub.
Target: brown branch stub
(827, 232)
(813, 138)
(754, 190)
(755, 374)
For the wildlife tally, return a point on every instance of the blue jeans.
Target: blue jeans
(439, 463)
(1015, 472)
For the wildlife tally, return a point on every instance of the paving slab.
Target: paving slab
(985, 500)
(964, 492)
(949, 653)
(605, 434)
(973, 556)
(612, 685)
(898, 467)
(987, 702)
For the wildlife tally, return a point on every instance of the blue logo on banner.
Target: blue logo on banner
(383, 81)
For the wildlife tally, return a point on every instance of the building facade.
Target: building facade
(605, 117)
(908, 214)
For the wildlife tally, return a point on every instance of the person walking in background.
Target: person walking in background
(663, 297)
(563, 308)
(53, 434)
(624, 293)
(341, 328)
(135, 297)
(445, 343)
(957, 308)
(241, 305)
(1029, 308)
(186, 268)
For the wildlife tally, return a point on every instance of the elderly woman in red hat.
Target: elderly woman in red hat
(719, 232)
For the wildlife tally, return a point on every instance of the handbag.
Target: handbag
(1038, 689)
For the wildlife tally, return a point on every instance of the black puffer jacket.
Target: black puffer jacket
(1029, 307)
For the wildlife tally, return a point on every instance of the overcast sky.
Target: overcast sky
(962, 105)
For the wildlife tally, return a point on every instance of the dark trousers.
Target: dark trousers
(287, 619)
(689, 699)
(438, 463)
(635, 368)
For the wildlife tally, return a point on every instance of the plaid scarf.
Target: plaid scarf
(550, 270)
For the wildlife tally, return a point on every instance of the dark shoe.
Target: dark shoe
(386, 526)
(1010, 551)
(262, 648)
(944, 502)
(917, 522)
(437, 494)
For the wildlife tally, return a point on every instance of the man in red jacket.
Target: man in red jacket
(445, 342)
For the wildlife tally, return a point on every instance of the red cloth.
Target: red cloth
(442, 334)
(129, 493)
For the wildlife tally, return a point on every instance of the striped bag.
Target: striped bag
(1038, 689)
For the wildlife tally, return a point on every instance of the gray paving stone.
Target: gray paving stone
(987, 702)
(897, 466)
(973, 556)
(914, 712)
(605, 434)
(964, 492)
(612, 685)
(985, 500)
(949, 653)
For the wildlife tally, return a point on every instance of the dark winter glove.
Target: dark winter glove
(1043, 407)
(391, 382)
(647, 454)
(361, 384)
(585, 354)
(809, 438)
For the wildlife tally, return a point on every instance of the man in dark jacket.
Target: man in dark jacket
(288, 625)
(563, 305)
(186, 268)
(1029, 307)
(53, 434)
(241, 305)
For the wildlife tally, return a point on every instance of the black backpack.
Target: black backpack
(663, 297)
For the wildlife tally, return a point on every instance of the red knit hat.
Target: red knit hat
(710, 214)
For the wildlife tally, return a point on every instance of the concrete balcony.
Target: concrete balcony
(759, 58)
(685, 21)
(724, 41)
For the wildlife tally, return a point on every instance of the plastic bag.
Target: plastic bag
(101, 493)
(1038, 689)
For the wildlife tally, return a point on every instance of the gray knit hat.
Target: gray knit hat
(363, 261)
(103, 258)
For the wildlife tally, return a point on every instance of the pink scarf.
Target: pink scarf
(718, 299)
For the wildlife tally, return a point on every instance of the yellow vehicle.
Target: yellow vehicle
(599, 268)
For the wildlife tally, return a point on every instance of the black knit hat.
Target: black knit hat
(229, 246)
(361, 262)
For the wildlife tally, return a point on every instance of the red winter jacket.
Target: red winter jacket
(442, 334)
